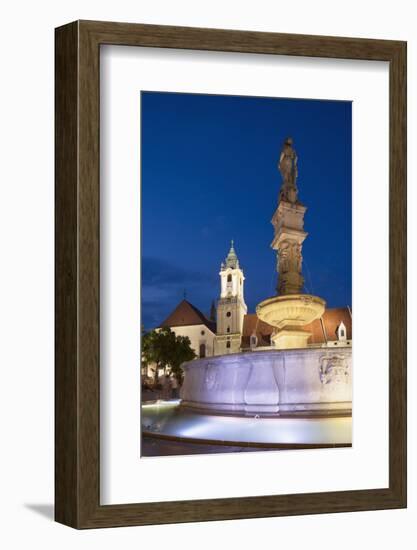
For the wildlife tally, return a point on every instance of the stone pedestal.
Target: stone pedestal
(290, 338)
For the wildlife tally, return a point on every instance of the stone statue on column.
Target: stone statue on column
(287, 166)
(288, 222)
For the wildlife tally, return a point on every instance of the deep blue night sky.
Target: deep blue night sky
(209, 175)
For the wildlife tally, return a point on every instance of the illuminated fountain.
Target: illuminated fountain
(298, 395)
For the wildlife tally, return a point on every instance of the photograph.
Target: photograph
(246, 273)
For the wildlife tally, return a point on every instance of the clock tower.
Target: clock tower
(231, 307)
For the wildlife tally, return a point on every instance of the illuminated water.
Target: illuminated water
(166, 418)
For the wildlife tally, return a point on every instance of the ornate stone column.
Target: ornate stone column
(290, 310)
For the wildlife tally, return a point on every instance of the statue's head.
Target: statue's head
(288, 141)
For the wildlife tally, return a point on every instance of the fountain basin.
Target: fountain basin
(296, 310)
(289, 314)
(312, 381)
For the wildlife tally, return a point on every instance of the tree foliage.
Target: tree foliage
(166, 350)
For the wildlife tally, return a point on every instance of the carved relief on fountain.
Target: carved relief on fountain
(212, 376)
(333, 369)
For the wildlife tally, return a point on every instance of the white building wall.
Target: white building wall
(196, 336)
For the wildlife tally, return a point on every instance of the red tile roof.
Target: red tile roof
(185, 314)
(332, 319)
(322, 330)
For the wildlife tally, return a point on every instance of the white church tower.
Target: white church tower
(231, 307)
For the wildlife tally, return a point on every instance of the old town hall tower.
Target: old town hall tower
(231, 307)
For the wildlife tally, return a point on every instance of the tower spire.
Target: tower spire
(232, 259)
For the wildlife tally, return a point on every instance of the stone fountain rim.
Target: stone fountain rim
(230, 358)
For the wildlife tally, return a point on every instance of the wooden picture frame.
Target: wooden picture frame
(77, 406)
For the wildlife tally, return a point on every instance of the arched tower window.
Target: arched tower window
(229, 278)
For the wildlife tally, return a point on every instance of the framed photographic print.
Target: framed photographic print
(230, 274)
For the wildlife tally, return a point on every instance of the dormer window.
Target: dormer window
(341, 332)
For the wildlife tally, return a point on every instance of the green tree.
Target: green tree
(166, 351)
